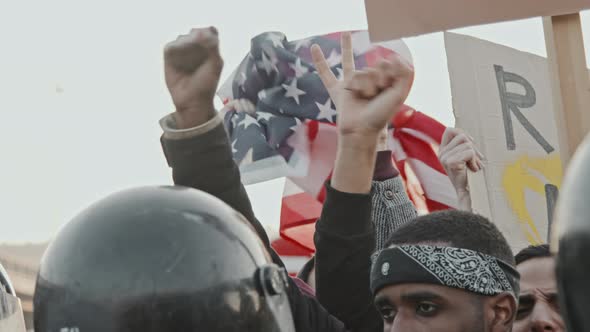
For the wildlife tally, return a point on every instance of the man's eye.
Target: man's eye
(426, 308)
(523, 311)
(554, 301)
(388, 314)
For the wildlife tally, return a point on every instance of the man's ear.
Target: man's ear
(501, 311)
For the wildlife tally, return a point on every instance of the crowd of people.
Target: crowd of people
(192, 256)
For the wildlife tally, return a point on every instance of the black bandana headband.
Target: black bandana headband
(445, 266)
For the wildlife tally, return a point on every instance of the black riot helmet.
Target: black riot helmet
(11, 313)
(159, 259)
(572, 240)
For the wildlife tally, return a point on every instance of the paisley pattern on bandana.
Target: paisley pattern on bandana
(461, 268)
(452, 267)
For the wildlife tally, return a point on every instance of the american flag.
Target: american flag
(290, 130)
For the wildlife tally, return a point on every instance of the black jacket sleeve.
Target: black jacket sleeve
(205, 162)
(344, 241)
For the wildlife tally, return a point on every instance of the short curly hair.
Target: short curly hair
(457, 228)
(531, 252)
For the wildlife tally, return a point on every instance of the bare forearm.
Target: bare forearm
(464, 200)
(193, 118)
(355, 163)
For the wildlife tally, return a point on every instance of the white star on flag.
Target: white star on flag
(234, 120)
(242, 81)
(302, 43)
(264, 115)
(334, 59)
(276, 39)
(233, 146)
(299, 69)
(297, 123)
(268, 66)
(340, 73)
(248, 121)
(291, 91)
(326, 110)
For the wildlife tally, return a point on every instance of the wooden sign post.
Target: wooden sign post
(569, 80)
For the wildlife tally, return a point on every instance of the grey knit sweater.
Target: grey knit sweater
(392, 208)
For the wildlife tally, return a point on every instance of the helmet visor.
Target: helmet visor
(11, 313)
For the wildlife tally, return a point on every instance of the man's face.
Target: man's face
(538, 308)
(432, 308)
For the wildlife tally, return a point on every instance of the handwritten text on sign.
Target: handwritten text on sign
(503, 98)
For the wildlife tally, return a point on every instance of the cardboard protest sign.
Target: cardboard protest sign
(502, 97)
(394, 19)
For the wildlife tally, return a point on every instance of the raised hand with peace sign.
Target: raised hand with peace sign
(366, 101)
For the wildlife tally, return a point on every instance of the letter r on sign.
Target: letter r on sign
(512, 103)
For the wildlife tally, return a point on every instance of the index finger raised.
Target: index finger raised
(321, 65)
(347, 54)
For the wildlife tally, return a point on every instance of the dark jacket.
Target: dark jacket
(205, 162)
(345, 241)
(344, 237)
(344, 244)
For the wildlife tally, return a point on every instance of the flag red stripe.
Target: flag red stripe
(436, 206)
(302, 235)
(420, 122)
(418, 149)
(299, 209)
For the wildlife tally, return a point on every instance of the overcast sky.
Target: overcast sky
(81, 91)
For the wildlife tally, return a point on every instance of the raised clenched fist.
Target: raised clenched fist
(192, 65)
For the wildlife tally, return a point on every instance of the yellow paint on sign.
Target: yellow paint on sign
(533, 174)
